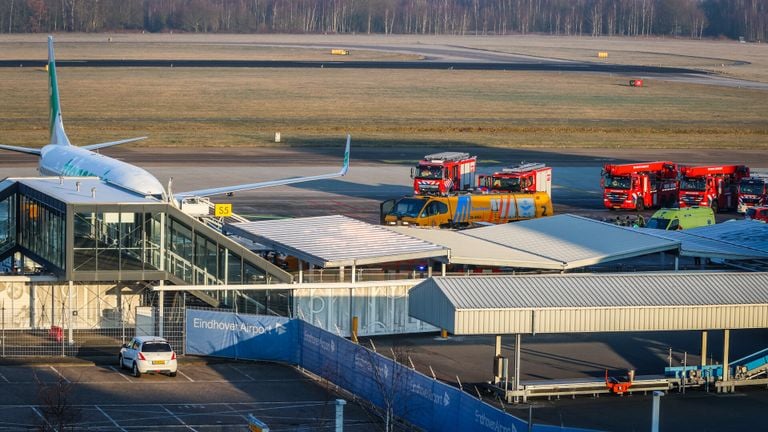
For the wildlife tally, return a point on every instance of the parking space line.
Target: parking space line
(177, 418)
(185, 376)
(241, 372)
(4, 378)
(42, 417)
(110, 418)
(120, 373)
(59, 374)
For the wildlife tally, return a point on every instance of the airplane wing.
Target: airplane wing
(93, 147)
(27, 150)
(250, 186)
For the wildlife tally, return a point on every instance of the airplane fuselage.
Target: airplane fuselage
(66, 160)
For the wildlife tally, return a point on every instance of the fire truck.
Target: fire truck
(525, 177)
(463, 210)
(711, 186)
(443, 173)
(640, 185)
(753, 191)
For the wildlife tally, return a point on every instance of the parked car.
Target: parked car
(148, 354)
(759, 214)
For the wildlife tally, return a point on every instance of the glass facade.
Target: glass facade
(7, 227)
(115, 241)
(41, 229)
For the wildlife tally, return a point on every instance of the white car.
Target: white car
(148, 354)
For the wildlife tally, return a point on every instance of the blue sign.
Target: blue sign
(255, 337)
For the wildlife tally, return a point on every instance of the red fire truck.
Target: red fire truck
(443, 173)
(525, 177)
(753, 191)
(640, 185)
(711, 186)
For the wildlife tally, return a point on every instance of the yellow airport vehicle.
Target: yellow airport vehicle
(681, 218)
(458, 211)
(339, 52)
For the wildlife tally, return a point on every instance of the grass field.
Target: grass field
(236, 107)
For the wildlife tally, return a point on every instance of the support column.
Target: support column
(726, 342)
(354, 273)
(704, 348)
(516, 382)
(70, 313)
(341, 274)
(497, 372)
(677, 263)
(442, 269)
(301, 271)
(161, 310)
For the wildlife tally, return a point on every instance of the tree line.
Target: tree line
(678, 18)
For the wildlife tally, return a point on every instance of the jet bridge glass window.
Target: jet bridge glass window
(180, 250)
(41, 230)
(7, 223)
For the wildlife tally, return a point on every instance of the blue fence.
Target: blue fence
(420, 400)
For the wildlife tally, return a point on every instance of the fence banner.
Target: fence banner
(255, 337)
(421, 400)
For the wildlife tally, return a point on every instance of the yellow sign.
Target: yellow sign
(223, 210)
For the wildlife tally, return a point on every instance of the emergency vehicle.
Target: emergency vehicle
(711, 186)
(443, 173)
(525, 177)
(463, 210)
(759, 214)
(640, 185)
(753, 191)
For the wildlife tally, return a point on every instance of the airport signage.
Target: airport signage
(231, 335)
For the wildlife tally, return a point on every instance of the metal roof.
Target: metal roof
(734, 240)
(466, 249)
(572, 240)
(589, 302)
(92, 190)
(335, 241)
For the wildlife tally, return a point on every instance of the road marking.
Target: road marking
(185, 376)
(4, 378)
(120, 373)
(177, 418)
(241, 372)
(41, 416)
(59, 374)
(110, 418)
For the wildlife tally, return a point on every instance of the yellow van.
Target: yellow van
(681, 218)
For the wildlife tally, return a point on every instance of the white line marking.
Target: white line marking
(59, 374)
(241, 372)
(4, 378)
(120, 373)
(41, 416)
(177, 418)
(185, 376)
(110, 418)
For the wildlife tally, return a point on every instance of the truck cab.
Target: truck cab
(759, 214)
(673, 219)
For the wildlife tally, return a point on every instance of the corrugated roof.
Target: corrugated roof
(466, 249)
(603, 290)
(744, 241)
(334, 241)
(573, 240)
(65, 190)
(592, 303)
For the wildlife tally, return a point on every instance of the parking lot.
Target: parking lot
(202, 397)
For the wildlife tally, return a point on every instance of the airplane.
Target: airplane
(61, 158)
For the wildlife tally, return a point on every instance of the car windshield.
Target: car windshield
(429, 172)
(156, 347)
(657, 223)
(693, 184)
(507, 184)
(410, 207)
(614, 182)
(751, 188)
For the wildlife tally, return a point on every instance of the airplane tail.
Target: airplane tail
(58, 136)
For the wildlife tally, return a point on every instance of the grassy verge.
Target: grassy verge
(235, 107)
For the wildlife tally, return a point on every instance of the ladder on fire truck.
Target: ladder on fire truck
(446, 156)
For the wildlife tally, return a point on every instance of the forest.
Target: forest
(669, 18)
